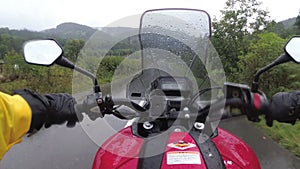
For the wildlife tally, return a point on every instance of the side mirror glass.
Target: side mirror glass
(42, 52)
(292, 48)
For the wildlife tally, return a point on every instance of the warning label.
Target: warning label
(183, 157)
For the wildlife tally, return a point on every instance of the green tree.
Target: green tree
(3, 50)
(262, 51)
(239, 20)
(6, 44)
(280, 29)
(73, 47)
(297, 24)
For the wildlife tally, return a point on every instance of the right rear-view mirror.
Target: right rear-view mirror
(292, 48)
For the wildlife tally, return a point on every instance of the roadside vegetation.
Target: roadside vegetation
(245, 37)
(246, 40)
(286, 135)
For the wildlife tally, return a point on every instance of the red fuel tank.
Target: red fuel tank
(182, 151)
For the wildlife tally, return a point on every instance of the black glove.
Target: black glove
(259, 104)
(89, 106)
(284, 107)
(50, 109)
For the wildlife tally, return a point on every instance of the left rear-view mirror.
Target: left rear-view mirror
(42, 52)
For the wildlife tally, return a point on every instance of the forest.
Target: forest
(245, 37)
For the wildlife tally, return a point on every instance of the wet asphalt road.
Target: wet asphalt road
(62, 148)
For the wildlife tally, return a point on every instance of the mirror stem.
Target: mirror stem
(255, 82)
(63, 61)
(281, 59)
(89, 74)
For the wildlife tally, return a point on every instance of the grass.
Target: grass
(286, 135)
(9, 87)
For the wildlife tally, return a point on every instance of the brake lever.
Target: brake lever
(125, 112)
(100, 103)
(106, 106)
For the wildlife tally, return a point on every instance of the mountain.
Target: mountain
(104, 37)
(71, 31)
(124, 37)
(288, 23)
(284, 28)
(76, 31)
(120, 31)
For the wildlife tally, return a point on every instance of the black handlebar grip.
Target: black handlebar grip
(259, 105)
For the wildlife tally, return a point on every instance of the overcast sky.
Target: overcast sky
(45, 14)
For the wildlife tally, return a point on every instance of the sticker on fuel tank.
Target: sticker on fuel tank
(181, 145)
(183, 157)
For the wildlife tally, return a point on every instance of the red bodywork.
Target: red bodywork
(122, 150)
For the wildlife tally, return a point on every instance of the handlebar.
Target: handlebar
(236, 95)
(252, 106)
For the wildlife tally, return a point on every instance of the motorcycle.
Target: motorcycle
(175, 99)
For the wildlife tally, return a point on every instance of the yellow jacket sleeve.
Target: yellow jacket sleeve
(15, 119)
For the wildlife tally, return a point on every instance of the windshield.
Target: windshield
(176, 41)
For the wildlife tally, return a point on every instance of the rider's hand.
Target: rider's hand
(50, 109)
(86, 106)
(284, 107)
(259, 105)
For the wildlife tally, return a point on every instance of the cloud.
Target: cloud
(43, 14)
